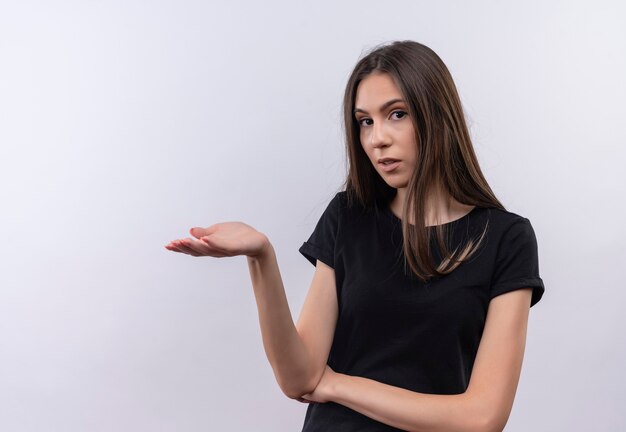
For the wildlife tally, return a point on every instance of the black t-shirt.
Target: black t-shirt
(395, 329)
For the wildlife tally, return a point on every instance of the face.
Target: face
(385, 128)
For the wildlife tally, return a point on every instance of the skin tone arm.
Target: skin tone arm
(486, 404)
(297, 361)
(484, 407)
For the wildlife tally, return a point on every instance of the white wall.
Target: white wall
(125, 123)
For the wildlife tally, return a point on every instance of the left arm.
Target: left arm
(484, 407)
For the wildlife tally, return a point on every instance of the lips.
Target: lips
(383, 160)
(392, 165)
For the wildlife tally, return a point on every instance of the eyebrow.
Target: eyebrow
(383, 107)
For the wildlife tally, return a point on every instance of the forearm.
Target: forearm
(283, 346)
(408, 410)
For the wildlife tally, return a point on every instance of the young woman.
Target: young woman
(417, 313)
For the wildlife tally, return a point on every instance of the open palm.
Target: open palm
(224, 239)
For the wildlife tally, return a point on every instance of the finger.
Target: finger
(198, 232)
(186, 249)
(197, 246)
(201, 248)
(173, 243)
(172, 248)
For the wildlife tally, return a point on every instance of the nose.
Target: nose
(379, 136)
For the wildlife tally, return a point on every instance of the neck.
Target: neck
(439, 207)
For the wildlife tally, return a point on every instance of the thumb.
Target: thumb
(198, 232)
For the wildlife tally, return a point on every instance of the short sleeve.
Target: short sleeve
(321, 243)
(517, 262)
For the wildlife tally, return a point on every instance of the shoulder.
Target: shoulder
(511, 234)
(349, 213)
(336, 205)
(502, 220)
(344, 201)
(504, 216)
(335, 209)
(505, 228)
(340, 198)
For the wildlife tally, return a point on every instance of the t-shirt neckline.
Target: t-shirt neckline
(462, 218)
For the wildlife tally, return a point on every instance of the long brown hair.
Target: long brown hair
(445, 154)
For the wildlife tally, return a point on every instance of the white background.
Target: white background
(125, 123)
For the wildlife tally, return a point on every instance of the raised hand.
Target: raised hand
(224, 239)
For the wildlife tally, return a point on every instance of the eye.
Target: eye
(399, 112)
(360, 122)
(402, 115)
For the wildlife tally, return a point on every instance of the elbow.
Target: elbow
(295, 391)
(489, 422)
(305, 383)
(493, 427)
(291, 394)
(496, 424)
(485, 416)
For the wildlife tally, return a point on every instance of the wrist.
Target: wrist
(264, 252)
(336, 383)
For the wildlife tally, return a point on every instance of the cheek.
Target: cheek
(364, 136)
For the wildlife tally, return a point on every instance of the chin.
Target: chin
(396, 184)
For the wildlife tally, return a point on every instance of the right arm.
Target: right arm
(297, 353)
